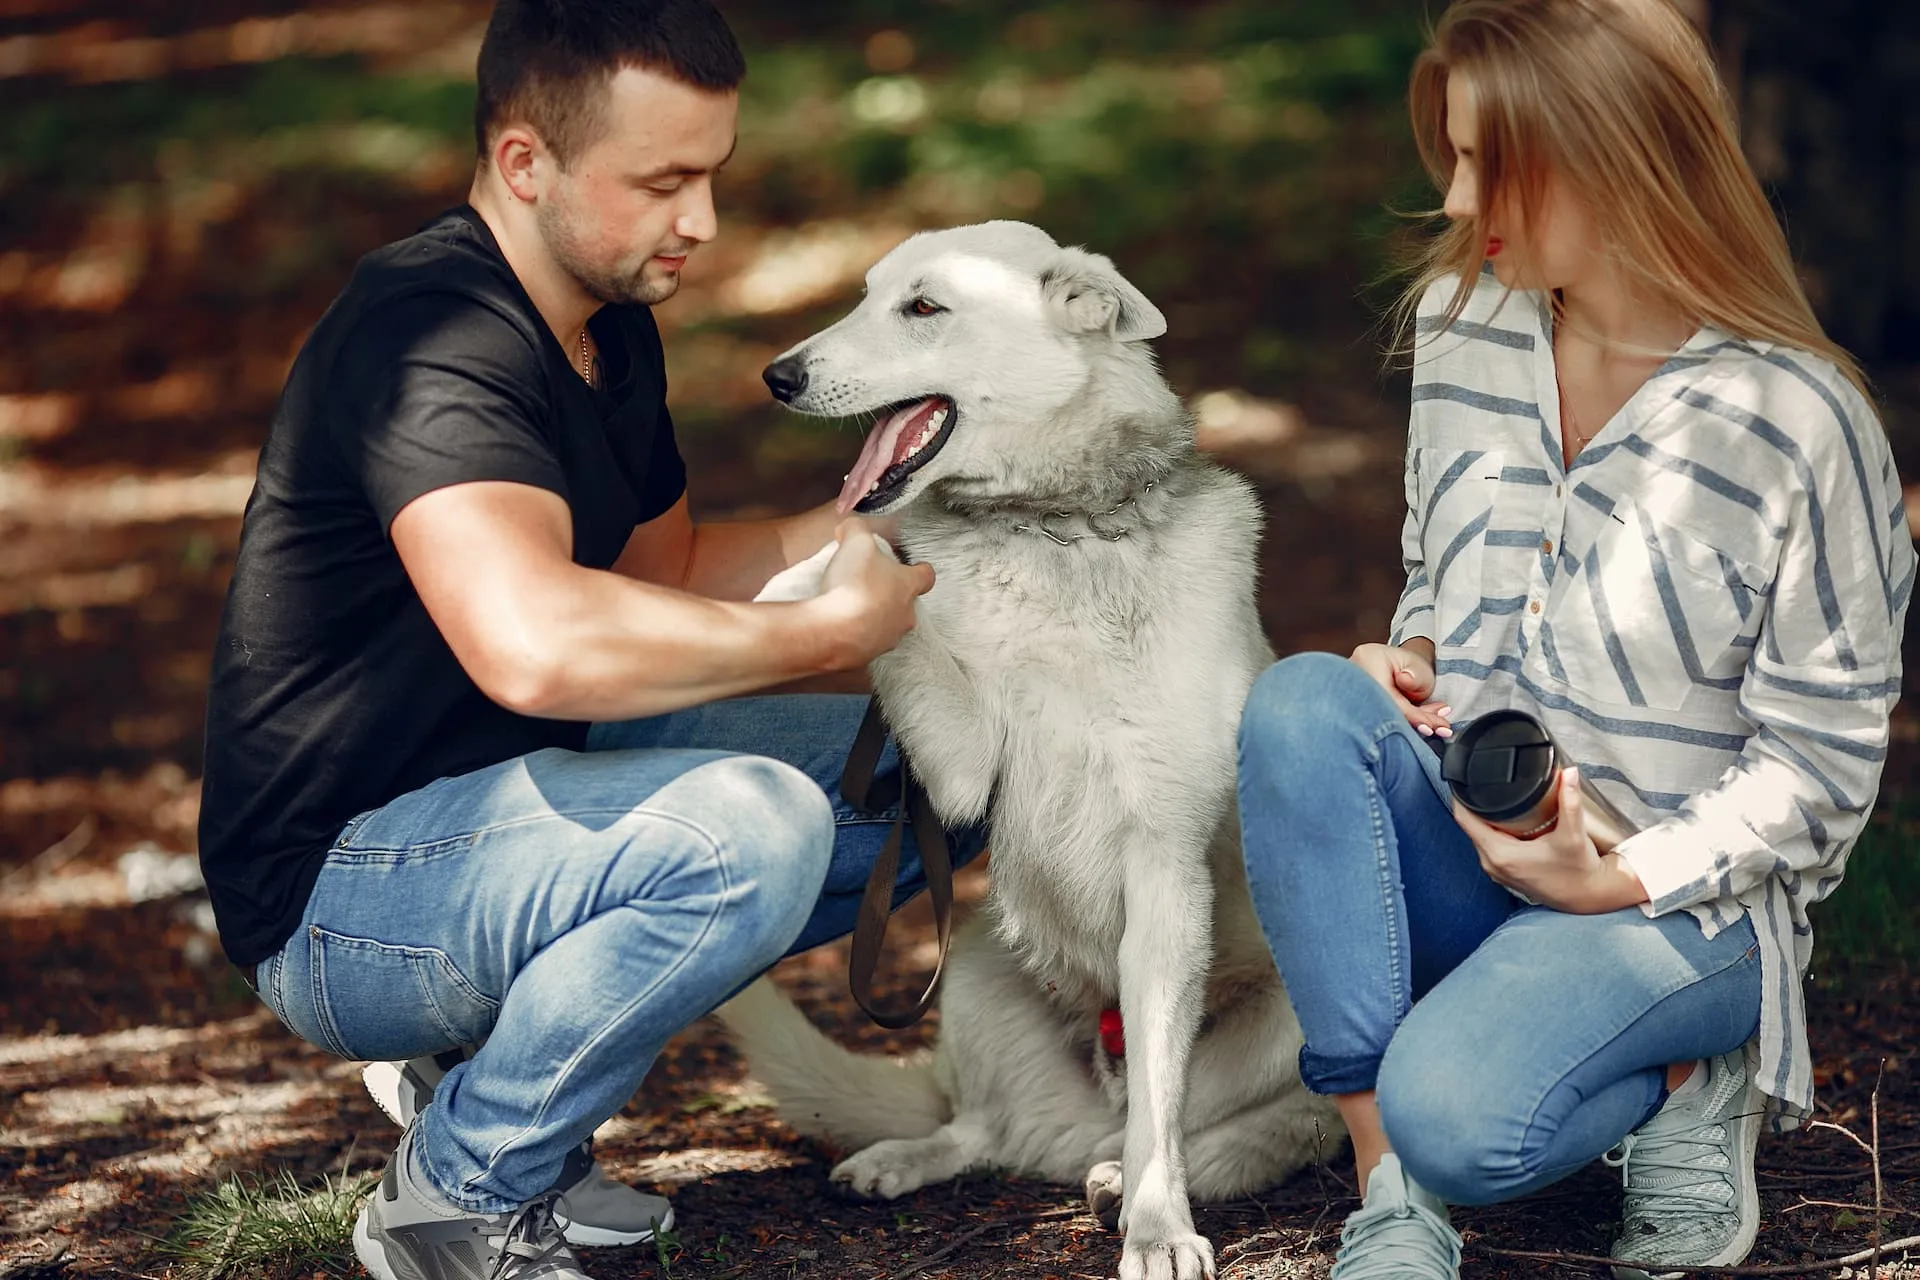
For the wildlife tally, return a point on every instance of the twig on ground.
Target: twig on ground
(974, 1233)
(1872, 1255)
(54, 856)
(1879, 1197)
(953, 1246)
(1843, 1204)
(45, 1268)
(1849, 1134)
(1775, 1269)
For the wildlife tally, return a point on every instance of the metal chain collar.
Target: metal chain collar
(1093, 526)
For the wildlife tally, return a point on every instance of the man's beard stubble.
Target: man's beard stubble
(602, 284)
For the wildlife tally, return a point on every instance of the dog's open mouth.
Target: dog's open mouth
(905, 439)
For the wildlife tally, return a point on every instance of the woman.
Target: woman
(1649, 502)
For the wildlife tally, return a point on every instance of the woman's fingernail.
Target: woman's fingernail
(1445, 711)
(1445, 731)
(1423, 730)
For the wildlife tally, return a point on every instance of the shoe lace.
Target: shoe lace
(530, 1238)
(1398, 1241)
(1680, 1167)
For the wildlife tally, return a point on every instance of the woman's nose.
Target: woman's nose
(1463, 195)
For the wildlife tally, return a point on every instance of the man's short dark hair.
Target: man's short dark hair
(547, 62)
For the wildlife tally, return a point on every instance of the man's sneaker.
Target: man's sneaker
(1691, 1199)
(1399, 1232)
(407, 1231)
(595, 1211)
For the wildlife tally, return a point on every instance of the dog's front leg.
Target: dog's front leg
(934, 708)
(1164, 955)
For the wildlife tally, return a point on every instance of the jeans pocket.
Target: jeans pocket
(380, 1002)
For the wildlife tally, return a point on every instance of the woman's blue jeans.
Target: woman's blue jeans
(1509, 1045)
(572, 910)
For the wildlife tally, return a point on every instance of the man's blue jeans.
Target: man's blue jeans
(1509, 1045)
(572, 910)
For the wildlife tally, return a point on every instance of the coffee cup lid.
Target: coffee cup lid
(1500, 765)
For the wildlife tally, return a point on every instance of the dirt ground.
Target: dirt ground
(169, 1076)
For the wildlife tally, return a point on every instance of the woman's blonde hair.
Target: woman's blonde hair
(1620, 102)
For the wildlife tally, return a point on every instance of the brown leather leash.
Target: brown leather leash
(876, 904)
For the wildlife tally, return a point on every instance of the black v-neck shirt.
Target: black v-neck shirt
(332, 691)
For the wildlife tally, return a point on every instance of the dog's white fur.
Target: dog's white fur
(1085, 700)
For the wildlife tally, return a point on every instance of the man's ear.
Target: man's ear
(1088, 294)
(516, 151)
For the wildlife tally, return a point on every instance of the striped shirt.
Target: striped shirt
(1704, 609)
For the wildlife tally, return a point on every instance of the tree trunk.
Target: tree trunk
(1829, 99)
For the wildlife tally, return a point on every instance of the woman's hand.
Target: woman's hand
(1559, 868)
(1407, 675)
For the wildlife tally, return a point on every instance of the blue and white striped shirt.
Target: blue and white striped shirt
(1705, 609)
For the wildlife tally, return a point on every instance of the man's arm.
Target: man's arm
(722, 561)
(492, 562)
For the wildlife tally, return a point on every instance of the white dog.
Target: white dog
(1075, 679)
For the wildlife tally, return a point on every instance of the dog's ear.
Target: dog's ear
(1088, 295)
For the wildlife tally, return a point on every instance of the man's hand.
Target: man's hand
(1407, 675)
(869, 594)
(1560, 868)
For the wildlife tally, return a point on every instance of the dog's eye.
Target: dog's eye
(922, 307)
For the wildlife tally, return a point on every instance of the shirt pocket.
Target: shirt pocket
(1481, 535)
(1654, 614)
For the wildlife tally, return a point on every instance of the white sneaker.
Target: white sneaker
(1691, 1199)
(1399, 1232)
(594, 1212)
(407, 1231)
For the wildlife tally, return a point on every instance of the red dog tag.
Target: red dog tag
(1113, 1035)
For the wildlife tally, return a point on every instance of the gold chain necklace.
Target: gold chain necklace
(1573, 421)
(586, 358)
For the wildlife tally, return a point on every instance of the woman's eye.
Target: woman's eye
(921, 307)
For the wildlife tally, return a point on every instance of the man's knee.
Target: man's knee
(774, 828)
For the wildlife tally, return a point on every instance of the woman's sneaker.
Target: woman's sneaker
(1399, 1232)
(1690, 1194)
(407, 1231)
(595, 1211)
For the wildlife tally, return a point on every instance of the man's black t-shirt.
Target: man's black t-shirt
(332, 690)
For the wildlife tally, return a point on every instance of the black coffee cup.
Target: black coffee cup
(1505, 767)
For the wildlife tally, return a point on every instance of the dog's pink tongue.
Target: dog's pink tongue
(887, 439)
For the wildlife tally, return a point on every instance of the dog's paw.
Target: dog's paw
(879, 1173)
(1180, 1257)
(1104, 1193)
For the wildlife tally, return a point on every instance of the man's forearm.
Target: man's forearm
(732, 560)
(609, 648)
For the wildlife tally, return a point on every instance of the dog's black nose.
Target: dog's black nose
(786, 379)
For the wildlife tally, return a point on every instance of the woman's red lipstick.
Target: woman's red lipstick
(1494, 245)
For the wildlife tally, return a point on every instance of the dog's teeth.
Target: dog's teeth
(938, 419)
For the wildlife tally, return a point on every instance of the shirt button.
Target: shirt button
(1546, 548)
(1534, 607)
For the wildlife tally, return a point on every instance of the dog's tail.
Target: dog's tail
(820, 1088)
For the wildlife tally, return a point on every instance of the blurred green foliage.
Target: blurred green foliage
(1238, 159)
(72, 141)
(1872, 921)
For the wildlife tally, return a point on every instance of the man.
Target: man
(433, 819)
